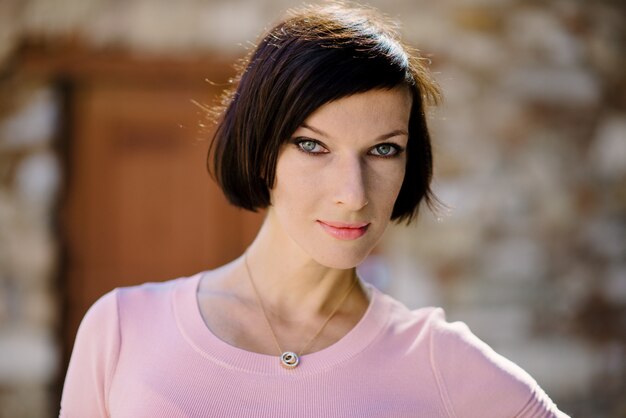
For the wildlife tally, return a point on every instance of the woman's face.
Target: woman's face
(338, 176)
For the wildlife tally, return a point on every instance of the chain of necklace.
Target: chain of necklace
(291, 359)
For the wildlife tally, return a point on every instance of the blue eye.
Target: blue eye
(385, 150)
(310, 146)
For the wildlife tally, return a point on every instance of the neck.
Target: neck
(290, 283)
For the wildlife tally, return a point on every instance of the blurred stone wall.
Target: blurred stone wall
(530, 148)
(29, 180)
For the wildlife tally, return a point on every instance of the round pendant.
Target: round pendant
(289, 359)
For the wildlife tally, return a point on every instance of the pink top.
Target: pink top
(145, 351)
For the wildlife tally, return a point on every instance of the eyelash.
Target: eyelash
(298, 141)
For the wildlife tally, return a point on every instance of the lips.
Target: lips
(344, 231)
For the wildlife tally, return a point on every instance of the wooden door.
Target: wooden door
(140, 204)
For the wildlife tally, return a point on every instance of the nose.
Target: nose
(351, 185)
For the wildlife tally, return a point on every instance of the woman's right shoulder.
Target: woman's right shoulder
(148, 296)
(125, 316)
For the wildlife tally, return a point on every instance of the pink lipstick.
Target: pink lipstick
(344, 231)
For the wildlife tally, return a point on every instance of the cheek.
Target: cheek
(295, 185)
(386, 184)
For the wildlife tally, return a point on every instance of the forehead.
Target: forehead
(369, 113)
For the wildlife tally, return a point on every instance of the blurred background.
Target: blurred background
(103, 141)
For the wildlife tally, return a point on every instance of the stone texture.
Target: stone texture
(29, 182)
(541, 36)
(504, 324)
(27, 356)
(32, 123)
(608, 151)
(615, 284)
(25, 401)
(561, 366)
(552, 86)
(37, 181)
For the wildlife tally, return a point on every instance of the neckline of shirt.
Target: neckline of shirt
(199, 336)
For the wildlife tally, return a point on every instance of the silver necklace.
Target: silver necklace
(291, 359)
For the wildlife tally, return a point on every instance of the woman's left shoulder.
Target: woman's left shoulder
(474, 377)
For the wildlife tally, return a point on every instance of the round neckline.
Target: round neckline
(206, 343)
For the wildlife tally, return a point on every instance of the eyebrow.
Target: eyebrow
(391, 134)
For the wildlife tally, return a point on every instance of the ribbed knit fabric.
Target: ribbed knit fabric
(145, 351)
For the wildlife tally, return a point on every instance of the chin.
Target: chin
(342, 260)
(343, 255)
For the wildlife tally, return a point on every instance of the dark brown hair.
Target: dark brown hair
(316, 55)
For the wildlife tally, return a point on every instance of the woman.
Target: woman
(326, 129)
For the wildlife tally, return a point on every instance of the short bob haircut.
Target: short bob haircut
(314, 56)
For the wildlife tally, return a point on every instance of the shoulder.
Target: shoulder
(107, 308)
(101, 319)
(473, 377)
(125, 317)
(457, 354)
(147, 294)
(473, 380)
(140, 304)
